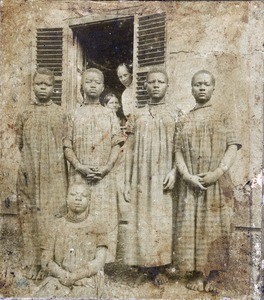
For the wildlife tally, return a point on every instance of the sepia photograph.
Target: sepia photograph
(131, 149)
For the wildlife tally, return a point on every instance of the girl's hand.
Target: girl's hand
(67, 280)
(195, 180)
(127, 192)
(85, 170)
(169, 181)
(209, 178)
(100, 172)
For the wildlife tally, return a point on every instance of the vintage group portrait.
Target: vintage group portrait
(131, 149)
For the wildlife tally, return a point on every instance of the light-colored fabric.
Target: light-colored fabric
(72, 246)
(203, 217)
(150, 220)
(128, 101)
(42, 176)
(92, 132)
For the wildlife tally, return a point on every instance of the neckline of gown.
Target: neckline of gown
(155, 104)
(199, 107)
(42, 104)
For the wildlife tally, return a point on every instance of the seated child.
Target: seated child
(75, 250)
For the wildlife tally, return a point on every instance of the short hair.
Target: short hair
(93, 70)
(77, 183)
(129, 67)
(158, 70)
(108, 97)
(203, 72)
(44, 71)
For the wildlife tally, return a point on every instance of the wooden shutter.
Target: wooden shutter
(150, 50)
(50, 55)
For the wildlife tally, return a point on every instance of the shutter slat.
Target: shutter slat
(147, 54)
(147, 26)
(156, 62)
(50, 34)
(152, 29)
(151, 18)
(48, 51)
(151, 45)
(49, 29)
(50, 38)
(50, 55)
(150, 50)
(155, 35)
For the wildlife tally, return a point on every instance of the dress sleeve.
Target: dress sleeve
(117, 137)
(101, 240)
(19, 131)
(48, 246)
(178, 136)
(231, 133)
(68, 132)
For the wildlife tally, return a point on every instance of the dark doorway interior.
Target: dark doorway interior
(105, 45)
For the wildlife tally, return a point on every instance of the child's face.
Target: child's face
(93, 85)
(77, 199)
(202, 88)
(113, 104)
(43, 87)
(156, 85)
(124, 76)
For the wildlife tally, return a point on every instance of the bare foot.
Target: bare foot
(41, 274)
(141, 279)
(160, 279)
(212, 287)
(33, 272)
(196, 283)
(212, 284)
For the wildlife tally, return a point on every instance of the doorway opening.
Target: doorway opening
(105, 45)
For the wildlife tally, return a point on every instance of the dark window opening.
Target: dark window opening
(105, 45)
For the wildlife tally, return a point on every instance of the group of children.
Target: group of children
(185, 226)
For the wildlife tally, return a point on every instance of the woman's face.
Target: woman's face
(113, 104)
(124, 76)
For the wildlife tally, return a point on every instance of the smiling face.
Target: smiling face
(202, 87)
(113, 104)
(124, 76)
(156, 85)
(43, 87)
(93, 84)
(77, 199)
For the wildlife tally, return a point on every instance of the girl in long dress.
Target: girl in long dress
(150, 177)
(206, 148)
(42, 175)
(92, 146)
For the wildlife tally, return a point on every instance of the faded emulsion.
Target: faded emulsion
(131, 149)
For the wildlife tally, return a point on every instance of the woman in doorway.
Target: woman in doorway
(124, 73)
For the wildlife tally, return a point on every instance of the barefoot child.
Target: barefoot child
(206, 148)
(42, 178)
(150, 176)
(74, 252)
(92, 146)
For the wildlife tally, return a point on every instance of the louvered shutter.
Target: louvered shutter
(50, 55)
(150, 50)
